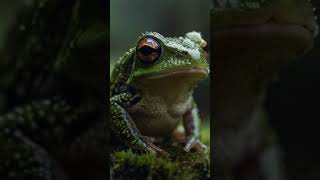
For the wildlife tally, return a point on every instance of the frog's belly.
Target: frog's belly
(156, 120)
(155, 124)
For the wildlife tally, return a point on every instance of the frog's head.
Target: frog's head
(157, 57)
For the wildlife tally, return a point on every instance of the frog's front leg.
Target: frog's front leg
(125, 128)
(191, 123)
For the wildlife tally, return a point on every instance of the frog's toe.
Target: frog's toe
(179, 137)
(148, 139)
(199, 147)
(153, 148)
(194, 143)
(163, 153)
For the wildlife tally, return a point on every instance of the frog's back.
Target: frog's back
(122, 69)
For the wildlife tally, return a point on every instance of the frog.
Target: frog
(52, 91)
(253, 40)
(151, 91)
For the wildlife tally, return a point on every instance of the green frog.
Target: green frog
(253, 40)
(151, 91)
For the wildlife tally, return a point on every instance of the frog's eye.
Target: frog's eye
(148, 50)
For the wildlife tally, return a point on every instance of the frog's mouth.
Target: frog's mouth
(194, 72)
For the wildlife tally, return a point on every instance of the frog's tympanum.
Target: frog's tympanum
(252, 40)
(151, 90)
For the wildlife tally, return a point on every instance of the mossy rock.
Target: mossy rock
(193, 165)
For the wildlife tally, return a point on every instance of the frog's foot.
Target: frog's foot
(153, 148)
(179, 137)
(191, 142)
(194, 143)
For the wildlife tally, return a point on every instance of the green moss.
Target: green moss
(126, 164)
(182, 165)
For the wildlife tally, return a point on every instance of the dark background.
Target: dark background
(7, 12)
(293, 104)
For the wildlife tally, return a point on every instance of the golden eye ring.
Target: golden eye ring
(148, 50)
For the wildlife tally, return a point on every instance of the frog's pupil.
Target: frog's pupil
(146, 50)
